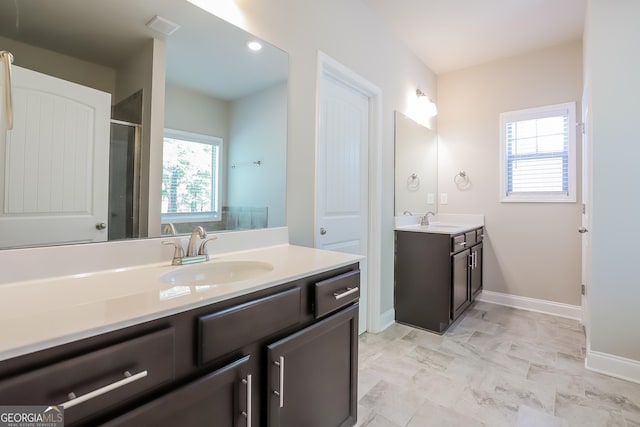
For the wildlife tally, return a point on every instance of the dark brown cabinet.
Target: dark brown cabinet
(437, 276)
(475, 279)
(461, 298)
(220, 398)
(312, 374)
(211, 365)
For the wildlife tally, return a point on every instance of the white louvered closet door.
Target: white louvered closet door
(54, 163)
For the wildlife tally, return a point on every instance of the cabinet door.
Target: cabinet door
(476, 270)
(313, 374)
(460, 285)
(219, 399)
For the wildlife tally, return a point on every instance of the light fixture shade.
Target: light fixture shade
(426, 106)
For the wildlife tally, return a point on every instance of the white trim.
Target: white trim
(532, 304)
(615, 366)
(387, 319)
(329, 67)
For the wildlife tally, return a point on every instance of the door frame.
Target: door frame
(330, 68)
(585, 219)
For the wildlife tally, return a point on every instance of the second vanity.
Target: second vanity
(438, 269)
(129, 348)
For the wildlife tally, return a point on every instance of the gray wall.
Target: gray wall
(532, 249)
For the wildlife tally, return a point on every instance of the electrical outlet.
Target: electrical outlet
(431, 198)
(444, 198)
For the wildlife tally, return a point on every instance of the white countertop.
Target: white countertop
(440, 224)
(43, 313)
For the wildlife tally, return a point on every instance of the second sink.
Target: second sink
(215, 273)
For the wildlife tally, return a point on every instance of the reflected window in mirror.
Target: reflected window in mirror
(191, 189)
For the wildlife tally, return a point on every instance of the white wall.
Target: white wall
(531, 249)
(257, 132)
(206, 115)
(145, 70)
(350, 33)
(61, 66)
(612, 39)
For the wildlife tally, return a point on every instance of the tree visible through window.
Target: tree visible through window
(538, 154)
(190, 175)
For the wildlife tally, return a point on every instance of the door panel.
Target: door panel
(217, 399)
(342, 174)
(460, 297)
(318, 370)
(54, 162)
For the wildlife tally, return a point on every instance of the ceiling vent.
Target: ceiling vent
(162, 25)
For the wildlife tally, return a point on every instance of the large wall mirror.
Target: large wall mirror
(137, 118)
(416, 169)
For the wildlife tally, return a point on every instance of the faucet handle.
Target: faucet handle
(178, 251)
(203, 245)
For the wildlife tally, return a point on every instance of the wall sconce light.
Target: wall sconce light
(426, 105)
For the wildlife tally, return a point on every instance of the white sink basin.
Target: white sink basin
(215, 273)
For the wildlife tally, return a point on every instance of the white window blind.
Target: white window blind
(538, 154)
(190, 176)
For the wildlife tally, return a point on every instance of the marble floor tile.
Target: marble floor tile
(433, 415)
(395, 403)
(429, 358)
(495, 366)
(528, 417)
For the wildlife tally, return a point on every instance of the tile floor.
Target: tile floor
(496, 366)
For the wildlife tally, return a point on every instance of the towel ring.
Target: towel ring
(413, 182)
(461, 178)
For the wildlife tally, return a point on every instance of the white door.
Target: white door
(585, 225)
(54, 163)
(342, 175)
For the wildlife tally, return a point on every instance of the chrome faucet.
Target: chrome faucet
(191, 247)
(425, 219)
(193, 255)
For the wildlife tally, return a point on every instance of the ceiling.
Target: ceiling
(449, 35)
(205, 54)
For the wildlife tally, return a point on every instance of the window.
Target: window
(190, 177)
(537, 148)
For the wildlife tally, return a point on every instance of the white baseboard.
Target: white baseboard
(386, 319)
(532, 304)
(615, 366)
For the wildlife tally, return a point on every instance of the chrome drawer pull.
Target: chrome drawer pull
(128, 378)
(280, 393)
(461, 243)
(247, 414)
(348, 291)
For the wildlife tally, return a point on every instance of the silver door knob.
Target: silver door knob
(323, 231)
(582, 230)
(101, 226)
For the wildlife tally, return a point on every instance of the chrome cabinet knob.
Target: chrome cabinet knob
(582, 230)
(323, 231)
(101, 226)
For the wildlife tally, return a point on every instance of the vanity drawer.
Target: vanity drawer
(458, 243)
(228, 330)
(470, 237)
(479, 234)
(88, 384)
(336, 292)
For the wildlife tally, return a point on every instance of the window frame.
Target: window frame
(538, 113)
(216, 214)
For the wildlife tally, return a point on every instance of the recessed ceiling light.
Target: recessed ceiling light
(254, 46)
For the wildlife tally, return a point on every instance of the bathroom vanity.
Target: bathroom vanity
(438, 272)
(276, 350)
